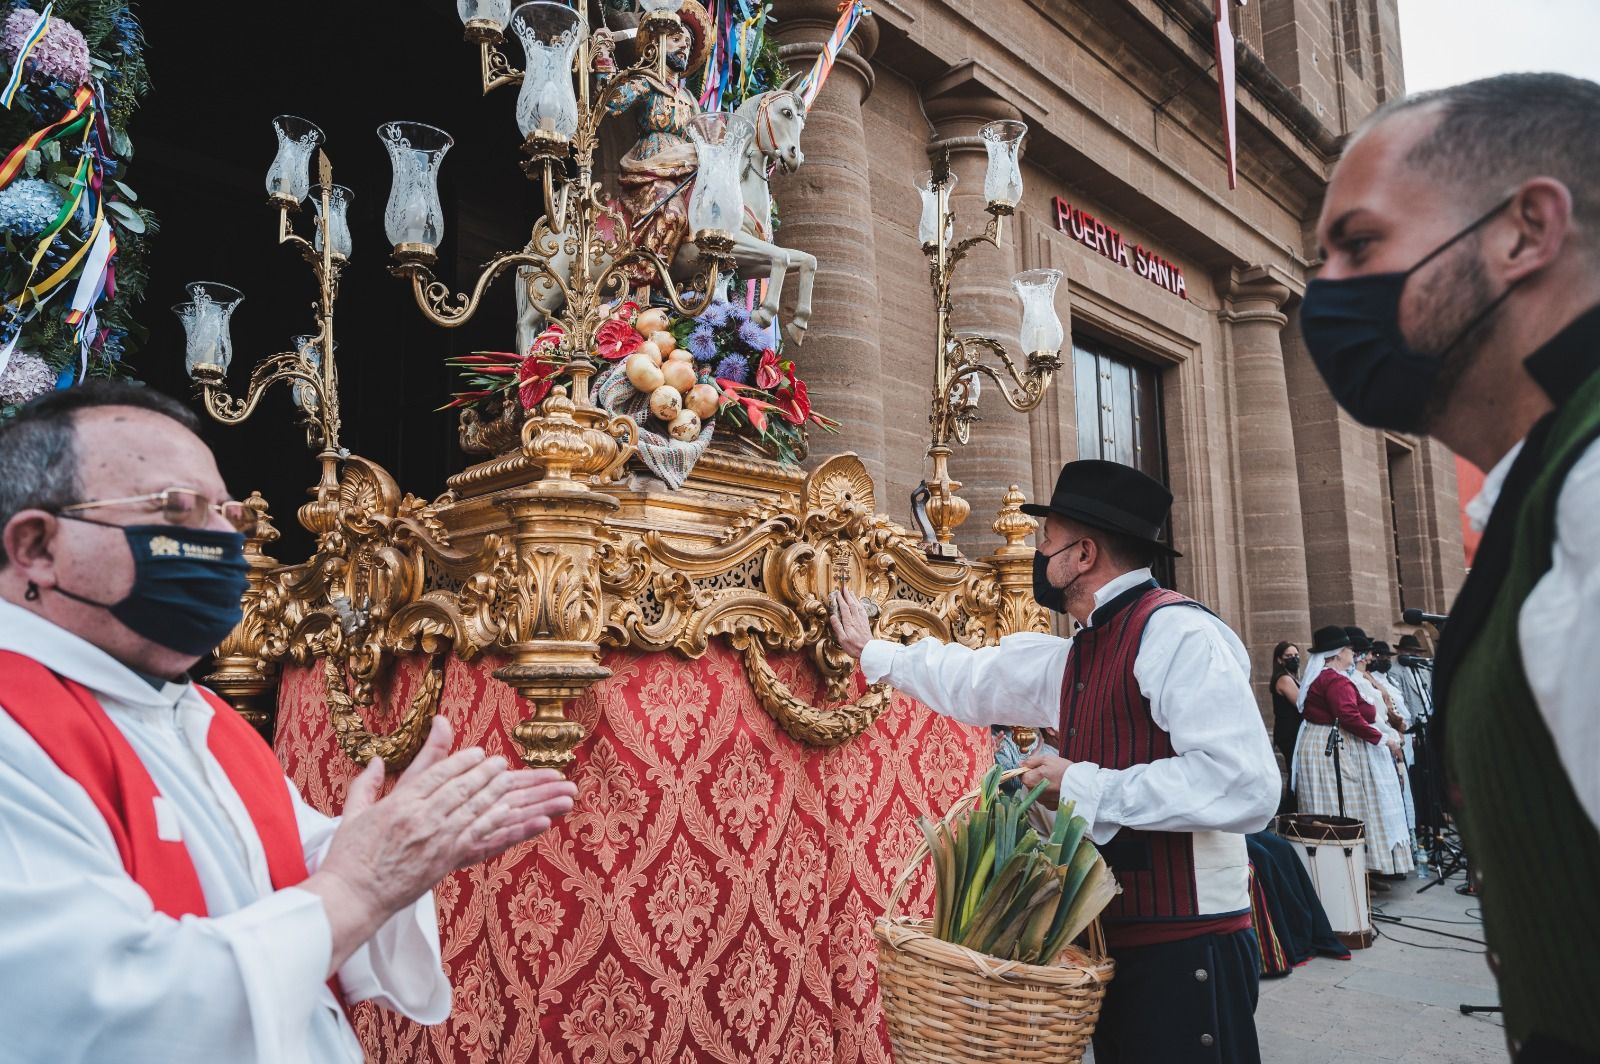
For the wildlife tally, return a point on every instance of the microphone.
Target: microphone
(1415, 662)
(1416, 616)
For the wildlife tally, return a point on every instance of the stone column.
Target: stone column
(982, 301)
(825, 208)
(1277, 594)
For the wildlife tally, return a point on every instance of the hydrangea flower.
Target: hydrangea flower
(26, 376)
(734, 368)
(62, 55)
(703, 344)
(753, 336)
(27, 206)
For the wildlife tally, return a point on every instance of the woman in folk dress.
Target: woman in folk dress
(1329, 704)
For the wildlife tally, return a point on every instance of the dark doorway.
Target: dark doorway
(204, 140)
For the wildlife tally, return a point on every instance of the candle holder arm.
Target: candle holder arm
(444, 308)
(284, 366)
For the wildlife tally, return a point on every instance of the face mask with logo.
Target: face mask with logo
(186, 585)
(1352, 329)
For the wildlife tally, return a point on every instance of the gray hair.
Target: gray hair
(38, 446)
(1495, 133)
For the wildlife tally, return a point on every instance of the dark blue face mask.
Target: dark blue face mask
(186, 585)
(1352, 329)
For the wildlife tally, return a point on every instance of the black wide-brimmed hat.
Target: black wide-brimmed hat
(1358, 639)
(1112, 497)
(1329, 638)
(1411, 643)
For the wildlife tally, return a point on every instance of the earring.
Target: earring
(32, 594)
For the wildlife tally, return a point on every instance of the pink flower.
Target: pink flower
(768, 375)
(62, 55)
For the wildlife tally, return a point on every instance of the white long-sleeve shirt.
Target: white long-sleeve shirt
(1191, 667)
(1559, 625)
(91, 972)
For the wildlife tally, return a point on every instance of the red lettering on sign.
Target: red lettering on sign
(1097, 236)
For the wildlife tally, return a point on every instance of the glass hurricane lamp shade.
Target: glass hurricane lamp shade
(338, 223)
(548, 102)
(1002, 181)
(413, 214)
(1041, 325)
(660, 7)
(289, 176)
(207, 341)
(928, 226)
(305, 396)
(720, 142)
(484, 20)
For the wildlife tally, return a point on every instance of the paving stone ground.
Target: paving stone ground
(1395, 1003)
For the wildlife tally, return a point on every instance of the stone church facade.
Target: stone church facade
(1186, 358)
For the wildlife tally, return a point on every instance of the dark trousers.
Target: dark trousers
(1542, 1050)
(1187, 1002)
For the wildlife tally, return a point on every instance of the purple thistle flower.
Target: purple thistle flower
(737, 315)
(716, 315)
(754, 336)
(734, 368)
(703, 344)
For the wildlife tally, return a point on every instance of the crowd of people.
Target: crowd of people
(1345, 719)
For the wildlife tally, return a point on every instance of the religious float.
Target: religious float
(636, 597)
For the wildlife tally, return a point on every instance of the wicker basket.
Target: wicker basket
(947, 1004)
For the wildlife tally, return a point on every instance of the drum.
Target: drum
(1334, 851)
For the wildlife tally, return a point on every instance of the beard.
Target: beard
(677, 62)
(1454, 326)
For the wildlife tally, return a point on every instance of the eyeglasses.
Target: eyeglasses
(179, 506)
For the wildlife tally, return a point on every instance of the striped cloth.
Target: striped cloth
(1365, 798)
(1275, 960)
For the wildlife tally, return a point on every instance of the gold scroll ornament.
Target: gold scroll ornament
(542, 559)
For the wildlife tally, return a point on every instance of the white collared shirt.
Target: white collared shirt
(1558, 628)
(1191, 667)
(92, 973)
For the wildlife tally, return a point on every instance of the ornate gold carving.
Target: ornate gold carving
(831, 726)
(399, 746)
(548, 573)
(243, 676)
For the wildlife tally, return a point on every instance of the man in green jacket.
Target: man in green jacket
(1459, 297)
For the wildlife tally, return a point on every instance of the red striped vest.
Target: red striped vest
(1106, 720)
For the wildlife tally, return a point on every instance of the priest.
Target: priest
(165, 895)
(1163, 750)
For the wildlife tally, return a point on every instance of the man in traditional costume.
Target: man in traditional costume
(165, 895)
(1164, 752)
(657, 173)
(1460, 297)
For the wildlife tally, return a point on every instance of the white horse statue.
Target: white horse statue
(779, 118)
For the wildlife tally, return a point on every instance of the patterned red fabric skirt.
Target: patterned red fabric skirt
(710, 898)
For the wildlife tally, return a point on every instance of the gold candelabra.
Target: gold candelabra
(959, 361)
(309, 368)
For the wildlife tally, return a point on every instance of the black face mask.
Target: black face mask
(1381, 665)
(1352, 329)
(1291, 664)
(186, 585)
(1045, 593)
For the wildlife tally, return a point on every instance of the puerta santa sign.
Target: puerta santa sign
(1097, 236)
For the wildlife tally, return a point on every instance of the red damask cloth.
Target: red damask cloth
(710, 898)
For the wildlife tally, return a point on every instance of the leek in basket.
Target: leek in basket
(1001, 889)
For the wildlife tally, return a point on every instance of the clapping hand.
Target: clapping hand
(448, 811)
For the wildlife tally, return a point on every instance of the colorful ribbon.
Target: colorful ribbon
(29, 43)
(78, 117)
(811, 84)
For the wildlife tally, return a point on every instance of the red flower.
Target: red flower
(548, 340)
(768, 375)
(535, 380)
(793, 402)
(616, 339)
